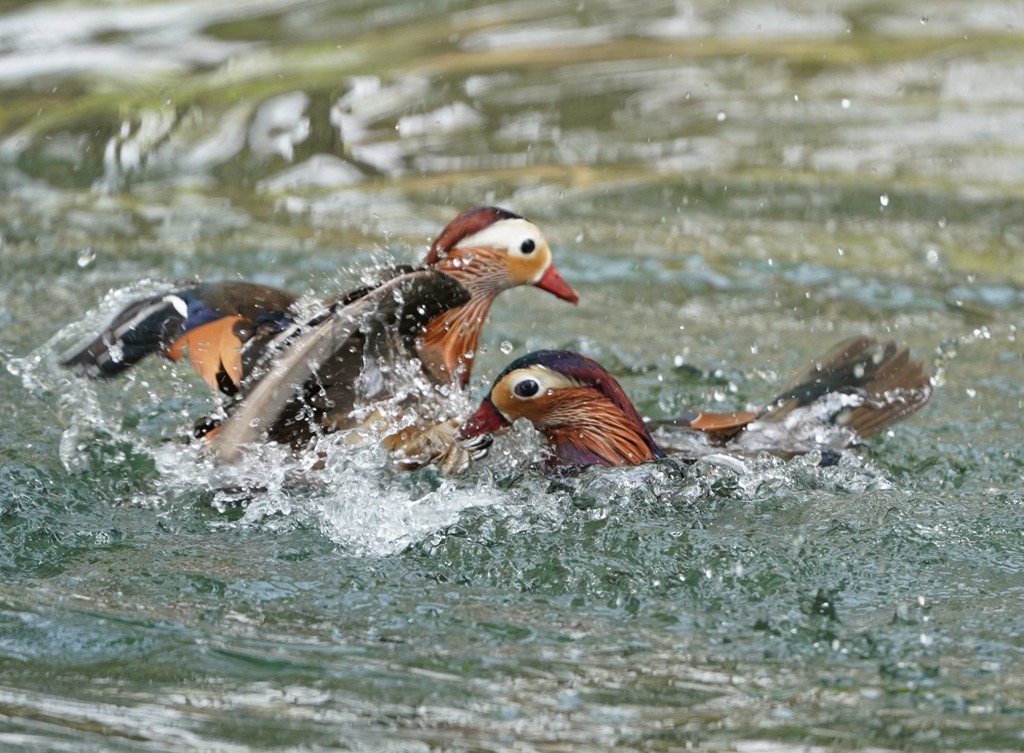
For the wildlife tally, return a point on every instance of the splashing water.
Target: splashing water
(349, 489)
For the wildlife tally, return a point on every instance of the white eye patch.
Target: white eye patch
(537, 380)
(516, 236)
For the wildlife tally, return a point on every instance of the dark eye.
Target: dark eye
(528, 246)
(526, 388)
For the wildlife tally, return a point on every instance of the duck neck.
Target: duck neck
(449, 343)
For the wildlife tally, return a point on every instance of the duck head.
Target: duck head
(574, 402)
(488, 250)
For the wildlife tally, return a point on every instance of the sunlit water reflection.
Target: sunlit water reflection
(731, 188)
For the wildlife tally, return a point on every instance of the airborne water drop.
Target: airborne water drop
(86, 257)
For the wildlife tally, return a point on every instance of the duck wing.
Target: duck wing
(375, 324)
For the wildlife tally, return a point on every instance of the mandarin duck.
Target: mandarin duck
(246, 340)
(853, 391)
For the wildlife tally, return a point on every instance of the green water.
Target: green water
(731, 187)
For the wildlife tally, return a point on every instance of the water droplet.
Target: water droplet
(932, 256)
(506, 347)
(86, 257)
(579, 237)
(841, 250)
(255, 422)
(721, 116)
(884, 199)
(796, 97)
(844, 103)
(924, 20)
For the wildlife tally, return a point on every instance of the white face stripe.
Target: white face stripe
(512, 406)
(179, 304)
(546, 379)
(507, 235)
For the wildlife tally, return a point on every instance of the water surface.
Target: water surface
(730, 187)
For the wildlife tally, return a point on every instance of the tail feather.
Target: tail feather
(847, 364)
(900, 390)
(885, 383)
(854, 390)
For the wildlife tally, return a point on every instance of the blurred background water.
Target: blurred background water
(731, 187)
